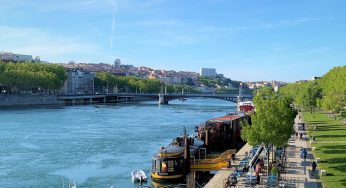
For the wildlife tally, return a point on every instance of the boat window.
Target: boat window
(176, 165)
(164, 167)
(170, 166)
(157, 165)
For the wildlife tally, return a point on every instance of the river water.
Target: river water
(95, 145)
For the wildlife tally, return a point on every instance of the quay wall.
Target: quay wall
(29, 100)
(36, 100)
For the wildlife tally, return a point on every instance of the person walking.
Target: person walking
(313, 168)
(304, 154)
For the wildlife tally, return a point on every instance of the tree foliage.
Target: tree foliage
(212, 81)
(30, 76)
(306, 94)
(272, 123)
(133, 84)
(328, 93)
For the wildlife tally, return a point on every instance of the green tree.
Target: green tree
(334, 90)
(272, 123)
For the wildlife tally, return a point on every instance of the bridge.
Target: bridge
(138, 97)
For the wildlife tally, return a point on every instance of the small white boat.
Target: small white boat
(138, 176)
(72, 185)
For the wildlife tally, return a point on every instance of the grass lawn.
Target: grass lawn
(330, 146)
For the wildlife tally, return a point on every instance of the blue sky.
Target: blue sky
(243, 39)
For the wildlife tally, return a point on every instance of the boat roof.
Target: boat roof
(176, 150)
(226, 118)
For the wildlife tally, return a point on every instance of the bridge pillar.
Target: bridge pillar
(162, 99)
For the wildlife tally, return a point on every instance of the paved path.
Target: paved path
(220, 178)
(298, 172)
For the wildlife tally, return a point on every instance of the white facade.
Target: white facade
(117, 63)
(9, 56)
(208, 72)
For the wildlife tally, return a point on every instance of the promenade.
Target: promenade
(296, 174)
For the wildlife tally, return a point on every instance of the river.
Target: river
(93, 145)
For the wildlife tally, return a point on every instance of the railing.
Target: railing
(213, 162)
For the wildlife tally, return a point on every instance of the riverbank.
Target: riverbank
(22, 100)
(29, 100)
(330, 146)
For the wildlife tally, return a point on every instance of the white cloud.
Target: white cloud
(39, 42)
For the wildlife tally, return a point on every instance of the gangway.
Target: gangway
(212, 162)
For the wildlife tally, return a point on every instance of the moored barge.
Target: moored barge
(172, 163)
(223, 132)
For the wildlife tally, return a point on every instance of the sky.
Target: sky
(247, 40)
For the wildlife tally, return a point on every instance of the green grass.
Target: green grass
(330, 147)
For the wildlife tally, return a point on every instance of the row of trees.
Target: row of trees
(272, 123)
(327, 93)
(30, 76)
(212, 81)
(134, 84)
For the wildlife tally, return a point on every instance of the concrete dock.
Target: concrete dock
(219, 179)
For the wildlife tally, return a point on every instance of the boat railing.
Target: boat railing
(215, 159)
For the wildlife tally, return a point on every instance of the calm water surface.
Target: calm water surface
(95, 146)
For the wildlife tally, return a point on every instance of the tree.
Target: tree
(272, 122)
(28, 76)
(328, 93)
(334, 90)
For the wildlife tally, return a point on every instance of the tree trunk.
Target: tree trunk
(268, 160)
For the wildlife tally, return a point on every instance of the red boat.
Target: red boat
(246, 107)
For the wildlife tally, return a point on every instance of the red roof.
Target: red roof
(226, 118)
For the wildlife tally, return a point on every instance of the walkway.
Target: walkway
(219, 179)
(298, 172)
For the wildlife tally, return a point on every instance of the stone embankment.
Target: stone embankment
(29, 100)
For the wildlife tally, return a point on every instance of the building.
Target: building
(9, 56)
(208, 72)
(79, 82)
(117, 63)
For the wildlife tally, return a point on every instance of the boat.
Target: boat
(72, 184)
(138, 176)
(222, 133)
(171, 163)
(246, 107)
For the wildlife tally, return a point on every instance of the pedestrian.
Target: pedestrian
(313, 168)
(301, 135)
(304, 154)
(296, 134)
(258, 178)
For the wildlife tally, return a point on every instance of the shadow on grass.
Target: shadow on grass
(343, 182)
(333, 147)
(330, 136)
(340, 168)
(334, 152)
